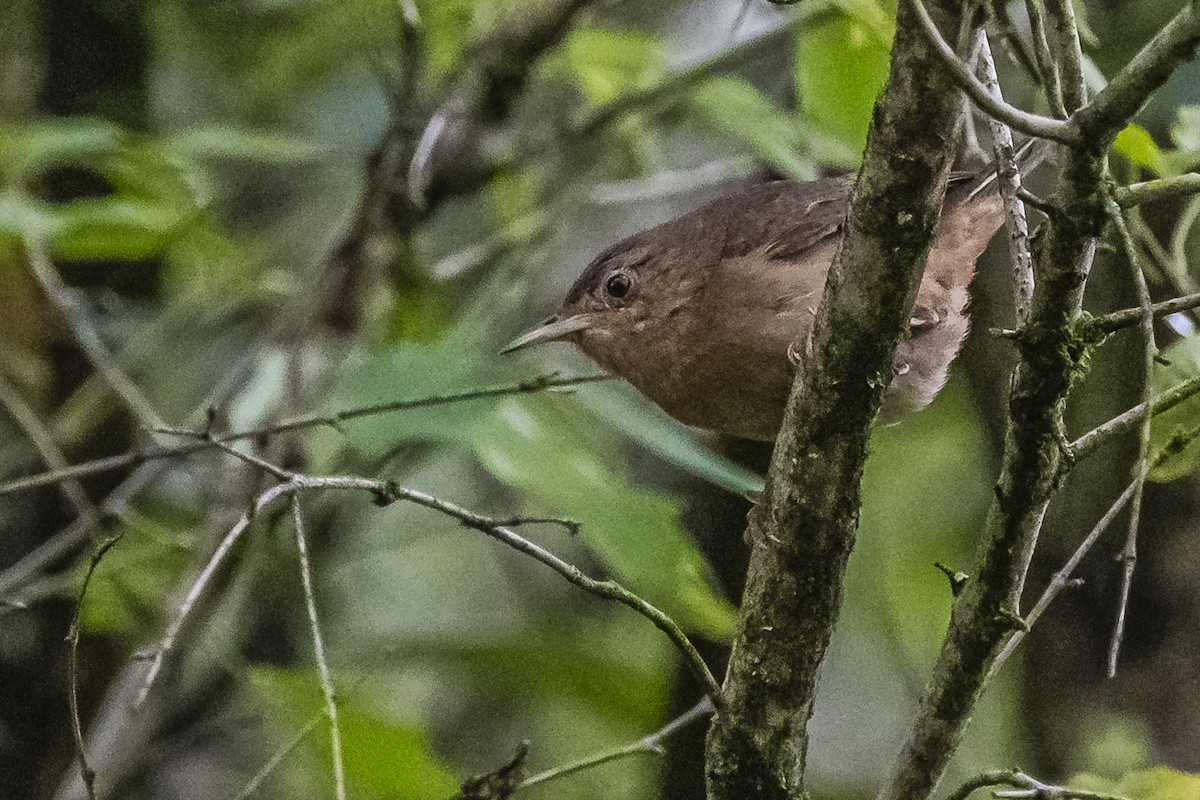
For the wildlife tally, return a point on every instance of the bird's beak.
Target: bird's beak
(551, 330)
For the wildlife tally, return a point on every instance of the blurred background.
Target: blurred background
(267, 208)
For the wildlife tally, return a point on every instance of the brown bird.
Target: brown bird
(705, 314)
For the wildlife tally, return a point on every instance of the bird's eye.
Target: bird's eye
(617, 285)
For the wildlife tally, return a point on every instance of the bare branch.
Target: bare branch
(387, 492)
(86, 773)
(267, 769)
(1173, 188)
(1128, 317)
(20, 577)
(1070, 56)
(201, 583)
(1047, 65)
(335, 420)
(1099, 121)
(314, 626)
(1062, 578)
(610, 590)
(988, 609)
(1025, 786)
(43, 440)
(1087, 444)
(802, 531)
(982, 781)
(1010, 184)
(73, 312)
(1031, 124)
(649, 744)
(1142, 466)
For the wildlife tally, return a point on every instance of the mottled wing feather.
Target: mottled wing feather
(817, 213)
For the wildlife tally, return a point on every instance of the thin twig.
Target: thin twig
(277, 758)
(609, 590)
(86, 773)
(201, 583)
(1025, 786)
(1010, 37)
(249, 458)
(1027, 123)
(1179, 237)
(968, 46)
(75, 314)
(43, 440)
(1087, 444)
(386, 492)
(1142, 466)
(982, 781)
(335, 420)
(569, 525)
(1114, 105)
(327, 689)
(1062, 578)
(19, 576)
(1173, 188)
(1070, 56)
(1128, 317)
(1009, 180)
(650, 744)
(1047, 65)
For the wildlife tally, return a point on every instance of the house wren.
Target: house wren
(705, 314)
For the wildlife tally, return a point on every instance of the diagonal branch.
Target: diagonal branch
(1128, 317)
(1091, 441)
(1070, 56)
(314, 626)
(1175, 187)
(386, 492)
(1141, 467)
(1174, 45)
(334, 420)
(78, 320)
(1016, 118)
(1036, 455)
(650, 744)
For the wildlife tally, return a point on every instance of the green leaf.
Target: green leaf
(677, 444)
(1136, 144)
(150, 193)
(1157, 783)
(606, 63)
(841, 64)
(126, 591)
(117, 229)
(229, 143)
(383, 758)
(551, 451)
(734, 108)
(1166, 428)
(447, 26)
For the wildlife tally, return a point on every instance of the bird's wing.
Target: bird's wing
(815, 212)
